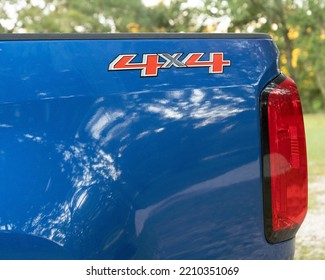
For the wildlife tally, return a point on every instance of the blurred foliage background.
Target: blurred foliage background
(297, 26)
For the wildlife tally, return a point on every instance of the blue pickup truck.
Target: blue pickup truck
(148, 146)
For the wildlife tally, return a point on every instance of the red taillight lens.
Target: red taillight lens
(284, 160)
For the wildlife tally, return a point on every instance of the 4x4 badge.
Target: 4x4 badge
(151, 63)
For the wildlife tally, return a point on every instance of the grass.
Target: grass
(310, 245)
(307, 252)
(315, 134)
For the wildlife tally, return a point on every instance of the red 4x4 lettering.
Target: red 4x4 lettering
(215, 64)
(151, 63)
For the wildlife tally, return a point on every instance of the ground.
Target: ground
(310, 240)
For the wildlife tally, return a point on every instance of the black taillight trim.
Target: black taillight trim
(270, 235)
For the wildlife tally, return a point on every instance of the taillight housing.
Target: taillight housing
(285, 191)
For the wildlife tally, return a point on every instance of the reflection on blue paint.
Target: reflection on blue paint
(108, 165)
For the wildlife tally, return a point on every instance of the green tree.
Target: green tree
(299, 31)
(312, 43)
(76, 16)
(103, 16)
(178, 16)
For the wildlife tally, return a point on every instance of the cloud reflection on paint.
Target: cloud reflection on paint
(197, 105)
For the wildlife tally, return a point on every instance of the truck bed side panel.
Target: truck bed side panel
(98, 164)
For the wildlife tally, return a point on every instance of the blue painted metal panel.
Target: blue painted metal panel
(108, 165)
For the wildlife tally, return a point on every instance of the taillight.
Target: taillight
(284, 160)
